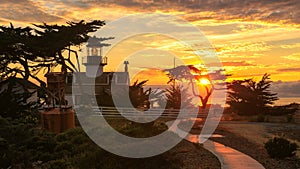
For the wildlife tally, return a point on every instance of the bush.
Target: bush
(290, 118)
(260, 118)
(58, 164)
(283, 110)
(280, 148)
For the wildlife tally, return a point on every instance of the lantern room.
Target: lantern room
(95, 61)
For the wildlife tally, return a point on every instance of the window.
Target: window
(69, 78)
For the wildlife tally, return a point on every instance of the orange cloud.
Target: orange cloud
(249, 36)
(293, 57)
(25, 11)
(154, 77)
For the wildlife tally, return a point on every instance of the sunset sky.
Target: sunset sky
(251, 37)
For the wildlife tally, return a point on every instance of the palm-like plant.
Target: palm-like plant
(137, 95)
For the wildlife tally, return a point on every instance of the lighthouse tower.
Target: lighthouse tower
(95, 61)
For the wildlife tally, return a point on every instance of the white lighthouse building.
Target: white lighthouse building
(95, 61)
(95, 76)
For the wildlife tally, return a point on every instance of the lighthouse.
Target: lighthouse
(95, 76)
(95, 61)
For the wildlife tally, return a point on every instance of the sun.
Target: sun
(204, 81)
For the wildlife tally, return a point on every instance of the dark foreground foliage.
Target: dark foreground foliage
(280, 148)
(24, 146)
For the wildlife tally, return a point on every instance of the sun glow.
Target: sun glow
(204, 81)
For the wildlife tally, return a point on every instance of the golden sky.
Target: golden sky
(250, 37)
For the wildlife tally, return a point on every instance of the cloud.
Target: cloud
(283, 11)
(25, 11)
(246, 76)
(286, 89)
(244, 47)
(267, 10)
(240, 63)
(247, 34)
(232, 63)
(296, 45)
(78, 4)
(240, 56)
(293, 57)
(289, 70)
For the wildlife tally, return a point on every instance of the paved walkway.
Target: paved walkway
(231, 158)
(228, 157)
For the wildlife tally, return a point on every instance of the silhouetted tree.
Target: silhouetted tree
(247, 97)
(16, 101)
(193, 74)
(27, 51)
(177, 97)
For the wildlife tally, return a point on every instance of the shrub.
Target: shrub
(280, 148)
(260, 118)
(198, 145)
(282, 110)
(290, 118)
(58, 164)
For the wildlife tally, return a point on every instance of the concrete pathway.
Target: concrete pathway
(231, 158)
(228, 157)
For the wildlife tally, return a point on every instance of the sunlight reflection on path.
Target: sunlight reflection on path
(228, 157)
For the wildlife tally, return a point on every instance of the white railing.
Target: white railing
(117, 113)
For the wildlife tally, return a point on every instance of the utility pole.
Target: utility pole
(174, 70)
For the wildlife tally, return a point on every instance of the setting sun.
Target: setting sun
(204, 81)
